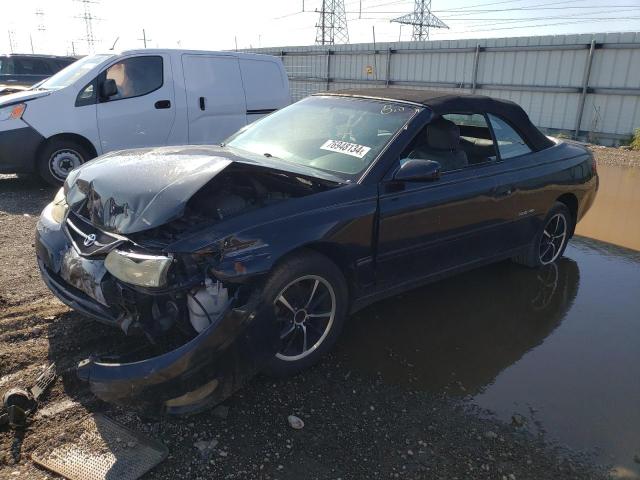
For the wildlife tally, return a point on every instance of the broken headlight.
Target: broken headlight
(138, 268)
(59, 207)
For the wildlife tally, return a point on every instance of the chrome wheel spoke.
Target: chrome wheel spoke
(290, 341)
(319, 315)
(304, 337)
(284, 302)
(318, 300)
(288, 332)
(313, 292)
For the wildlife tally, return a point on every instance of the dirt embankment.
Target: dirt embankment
(355, 426)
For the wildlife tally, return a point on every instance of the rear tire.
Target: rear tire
(551, 240)
(58, 157)
(310, 297)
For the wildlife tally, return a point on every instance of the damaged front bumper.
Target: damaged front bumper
(203, 371)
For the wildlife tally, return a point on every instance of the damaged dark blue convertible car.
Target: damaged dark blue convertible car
(249, 256)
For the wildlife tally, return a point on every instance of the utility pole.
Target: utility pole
(421, 19)
(332, 24)
(31, 41)
(144, 38)
(12, 45)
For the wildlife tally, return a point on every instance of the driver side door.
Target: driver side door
(142, 113)
(431, 227)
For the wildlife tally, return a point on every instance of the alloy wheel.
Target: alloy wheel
(553, 237)
(62, 162)
(305, 310)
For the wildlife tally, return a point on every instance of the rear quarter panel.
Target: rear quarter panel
(543, 177)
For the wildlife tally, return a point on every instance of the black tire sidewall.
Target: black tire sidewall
(47, 151)
(296, 266)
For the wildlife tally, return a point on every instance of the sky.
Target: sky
(56, 26)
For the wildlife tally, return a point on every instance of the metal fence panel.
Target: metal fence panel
(588, 85)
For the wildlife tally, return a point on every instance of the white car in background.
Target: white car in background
(137, 98)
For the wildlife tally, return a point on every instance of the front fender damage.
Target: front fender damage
(200, 373)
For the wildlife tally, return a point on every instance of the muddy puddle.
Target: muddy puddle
(559, 346)
(615, 215)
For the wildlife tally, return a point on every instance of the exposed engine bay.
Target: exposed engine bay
(235, 191)
(193, 298)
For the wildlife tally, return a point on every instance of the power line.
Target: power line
(547, 24)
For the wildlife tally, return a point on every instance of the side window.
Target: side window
(87, 95)
(136, 76)
(475, 137)
(6, 66)
(510, 144)
(456, 141)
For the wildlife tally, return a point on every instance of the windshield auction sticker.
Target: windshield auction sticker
(347, 148)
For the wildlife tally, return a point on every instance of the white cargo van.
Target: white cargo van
(137, 98)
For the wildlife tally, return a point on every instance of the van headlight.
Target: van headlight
(138, 268)
(12, 112)
(59, 207)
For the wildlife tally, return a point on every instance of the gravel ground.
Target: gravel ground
(355, 426)
(616, 156)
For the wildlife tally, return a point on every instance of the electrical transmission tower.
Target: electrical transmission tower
(332, 24)
(88, 18)
(422, 19)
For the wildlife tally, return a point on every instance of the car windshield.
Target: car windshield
(340, 135)
(70, 74)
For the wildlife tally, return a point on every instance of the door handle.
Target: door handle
(202, 103)
(160, 104)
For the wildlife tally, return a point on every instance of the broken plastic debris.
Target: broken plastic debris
(295, 422)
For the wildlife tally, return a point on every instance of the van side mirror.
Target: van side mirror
(108, 88)
(417, 170)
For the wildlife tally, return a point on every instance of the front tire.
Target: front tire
(551, 240)
(58, 157)
(310, 298)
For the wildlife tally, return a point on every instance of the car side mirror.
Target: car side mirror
(417, 170)
(108, 88)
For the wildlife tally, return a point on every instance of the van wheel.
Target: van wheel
(310, 298)
(58, 157)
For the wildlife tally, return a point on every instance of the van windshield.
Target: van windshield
(340, 135)
(73, 72)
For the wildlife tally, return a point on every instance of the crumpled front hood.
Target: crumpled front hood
(134, 190)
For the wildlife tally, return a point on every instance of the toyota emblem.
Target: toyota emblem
(89, 240)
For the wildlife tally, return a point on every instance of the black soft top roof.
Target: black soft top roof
(441, 102)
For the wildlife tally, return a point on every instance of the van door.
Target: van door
(216, 104)
(265, 85)
(142, 111)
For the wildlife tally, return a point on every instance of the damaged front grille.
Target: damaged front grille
(87, 239)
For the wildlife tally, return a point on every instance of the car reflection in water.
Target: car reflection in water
(457, 335)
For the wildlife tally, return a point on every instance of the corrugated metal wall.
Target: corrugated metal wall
(556, 79)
